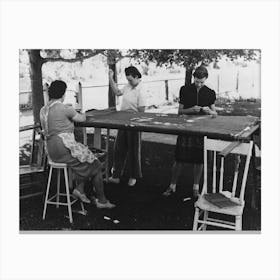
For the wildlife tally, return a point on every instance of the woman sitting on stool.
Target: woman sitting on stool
(57, 120)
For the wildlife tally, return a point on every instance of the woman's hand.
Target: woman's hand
(78, 107)
(206, 110)
(196, 109)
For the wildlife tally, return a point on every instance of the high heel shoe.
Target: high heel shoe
(169, 191)
(77, 194)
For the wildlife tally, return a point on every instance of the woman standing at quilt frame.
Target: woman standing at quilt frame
(195, 99)
(127, 147)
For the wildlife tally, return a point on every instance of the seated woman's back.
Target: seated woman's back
(60, 119)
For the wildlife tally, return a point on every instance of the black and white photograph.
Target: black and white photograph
(140, 139)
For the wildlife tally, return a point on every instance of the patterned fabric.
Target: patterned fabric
(78, 150)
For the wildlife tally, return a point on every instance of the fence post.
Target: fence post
(166, 90)
(45, 93)
(237, 80)
(80, 95)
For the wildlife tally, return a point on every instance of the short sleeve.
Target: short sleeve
(141, 99)
(212, 97)
(70, 112)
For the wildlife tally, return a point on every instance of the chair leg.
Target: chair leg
(58, 188)
(47, 193)
(68, 194)
(195, 219)
(205, 217)
(238, 223)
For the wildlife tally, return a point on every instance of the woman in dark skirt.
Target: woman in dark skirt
(194, 99)
(57, 120)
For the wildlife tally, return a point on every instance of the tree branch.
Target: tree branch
(71, 60)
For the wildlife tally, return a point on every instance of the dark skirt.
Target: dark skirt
(59, 153)
(189, 149)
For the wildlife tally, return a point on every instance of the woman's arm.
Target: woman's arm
(189, 111)
(211, 110)
(113, 85)
(79, 117)
(74, 114)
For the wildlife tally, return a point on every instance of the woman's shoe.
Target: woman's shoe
(107, 205)
(114, 180)
(131, 182)
(77, 194)
(171, 189)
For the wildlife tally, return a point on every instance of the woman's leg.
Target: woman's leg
(176, 171)
(197, 171)
(99, 187)
(134, 154)
(120, 153)
(80, 186)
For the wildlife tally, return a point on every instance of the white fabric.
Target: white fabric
(132, 98)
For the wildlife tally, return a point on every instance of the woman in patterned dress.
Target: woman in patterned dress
(57, 120)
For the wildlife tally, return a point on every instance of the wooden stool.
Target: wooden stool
(68, 185)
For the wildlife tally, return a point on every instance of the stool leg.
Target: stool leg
(47, 193)
(68, 194)
(58, 188)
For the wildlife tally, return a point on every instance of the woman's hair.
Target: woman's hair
(200, 72)
(57, 89)
(133, 71)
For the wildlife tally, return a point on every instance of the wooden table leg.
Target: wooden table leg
(97, 138)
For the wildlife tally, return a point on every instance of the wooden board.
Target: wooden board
(221, 127)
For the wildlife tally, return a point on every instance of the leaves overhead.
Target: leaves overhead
(189, 58)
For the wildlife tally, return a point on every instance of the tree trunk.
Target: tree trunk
(111, 60)
(188, 75)
(36, 63)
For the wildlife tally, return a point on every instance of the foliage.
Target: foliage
(190, 58)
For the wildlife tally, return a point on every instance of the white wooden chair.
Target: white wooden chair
(222, 199)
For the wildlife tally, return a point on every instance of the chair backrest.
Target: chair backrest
(237, 158)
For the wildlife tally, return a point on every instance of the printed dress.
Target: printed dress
(61, 146)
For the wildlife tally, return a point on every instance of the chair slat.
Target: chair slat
(214, 171)
(236, 171)
(221, 174)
